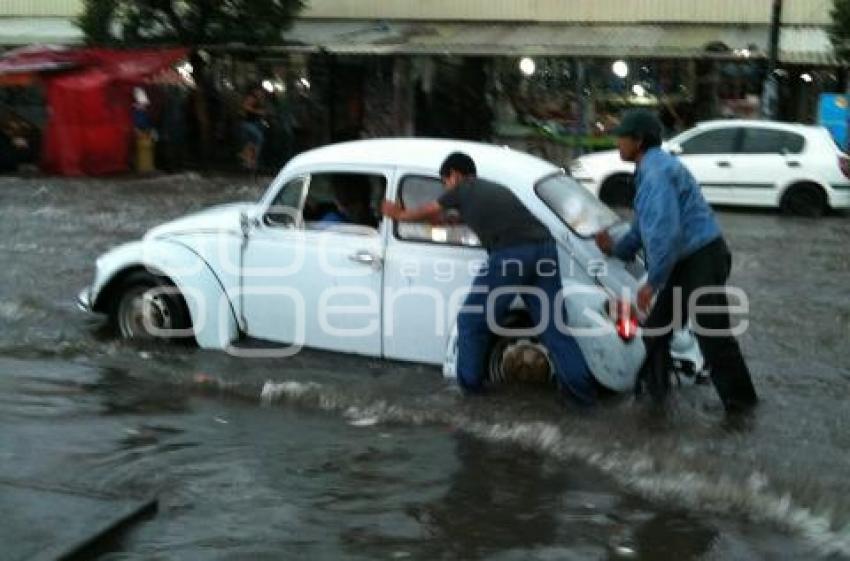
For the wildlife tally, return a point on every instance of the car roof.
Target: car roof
(778, 125)
(497, 163)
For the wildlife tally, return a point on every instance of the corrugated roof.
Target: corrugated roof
(616, 12)
(803, 45)
(28, 31)
(806, 45)
(798, 44)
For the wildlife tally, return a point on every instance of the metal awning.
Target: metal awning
(806, 45)
(798, 45)
(29, 31)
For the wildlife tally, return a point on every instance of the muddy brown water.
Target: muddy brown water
(324, 456)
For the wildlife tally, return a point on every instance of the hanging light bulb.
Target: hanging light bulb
(527, 66)
(620, 69)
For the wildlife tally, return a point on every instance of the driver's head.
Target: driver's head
(638, 131)
(352, 190)
(352, 195)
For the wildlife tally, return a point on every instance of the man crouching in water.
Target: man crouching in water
(521, 253)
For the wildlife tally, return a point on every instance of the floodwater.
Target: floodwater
(324, 456)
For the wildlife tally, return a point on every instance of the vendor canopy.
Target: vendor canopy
(129, 65)
(89, 99)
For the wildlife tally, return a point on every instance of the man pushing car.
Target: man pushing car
(521, 255)
(688, 264)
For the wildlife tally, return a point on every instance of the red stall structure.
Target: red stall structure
(89, 96)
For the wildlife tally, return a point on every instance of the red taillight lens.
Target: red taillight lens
(625, 319)
(627, 327)
(844, 164)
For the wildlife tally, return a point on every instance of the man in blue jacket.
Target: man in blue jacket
(685, 254)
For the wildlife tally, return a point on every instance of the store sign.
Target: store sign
(833, 114)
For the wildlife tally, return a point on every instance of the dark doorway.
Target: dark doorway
(453, 104)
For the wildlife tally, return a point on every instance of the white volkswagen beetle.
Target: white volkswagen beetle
(313, 264)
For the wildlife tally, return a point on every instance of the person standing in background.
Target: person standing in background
(252, 127)
(144, 132)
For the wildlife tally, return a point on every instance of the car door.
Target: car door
(428, 271)
(310, 278)
(767, 160)
(710, 156)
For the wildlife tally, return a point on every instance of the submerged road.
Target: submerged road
(328, 457)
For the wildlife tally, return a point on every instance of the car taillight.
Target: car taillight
(844, 164)
(627, 327)
(625, 319)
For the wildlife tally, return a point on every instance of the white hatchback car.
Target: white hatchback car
(797, 168)
(288, 270)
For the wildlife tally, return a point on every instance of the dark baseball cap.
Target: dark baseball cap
(639, 123)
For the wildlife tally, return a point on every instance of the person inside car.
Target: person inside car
(352, 203)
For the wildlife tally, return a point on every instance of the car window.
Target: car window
(416, 191)
(344, 201)
(768, 141)
(583, 213)
(286, 206)
(716, 141)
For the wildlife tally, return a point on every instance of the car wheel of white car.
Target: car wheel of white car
(518, 359)
(148, 307)
(618, 191)
(804, 199)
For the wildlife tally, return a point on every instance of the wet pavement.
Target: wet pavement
(329, 457)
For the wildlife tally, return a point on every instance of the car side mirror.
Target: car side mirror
(248, 222)
(674, 149)
(244, 222)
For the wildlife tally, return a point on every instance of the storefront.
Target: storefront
(559, 89)
(556, 89)
(558, 107)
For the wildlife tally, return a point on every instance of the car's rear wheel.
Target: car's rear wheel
(148, 307)
(618, 191)
(804, 199)
(518, 358)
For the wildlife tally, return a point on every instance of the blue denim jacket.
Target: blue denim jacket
(672, 219)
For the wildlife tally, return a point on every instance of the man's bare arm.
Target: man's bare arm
(424, 213)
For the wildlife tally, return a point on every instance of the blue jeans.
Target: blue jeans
(531, 266)
(253, 132)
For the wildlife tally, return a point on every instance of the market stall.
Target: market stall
(88, 94)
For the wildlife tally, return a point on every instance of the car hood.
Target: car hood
(603, 156)
(221, 218)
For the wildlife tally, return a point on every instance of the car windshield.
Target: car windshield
(583, 213)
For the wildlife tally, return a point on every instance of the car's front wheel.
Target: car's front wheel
(804, 199)
(149, 307)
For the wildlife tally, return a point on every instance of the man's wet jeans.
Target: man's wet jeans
(707, 268)
(530, 268)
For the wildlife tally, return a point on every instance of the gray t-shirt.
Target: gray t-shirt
(494, 213)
